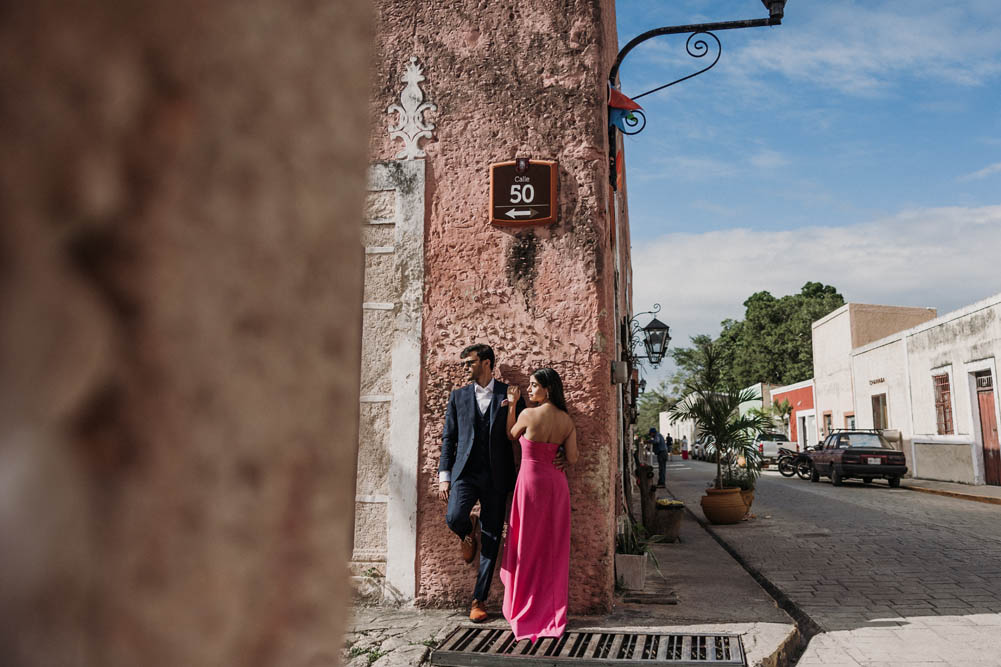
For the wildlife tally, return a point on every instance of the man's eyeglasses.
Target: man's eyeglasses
(469, 362)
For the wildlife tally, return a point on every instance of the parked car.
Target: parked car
(768, 445)
(859, 454)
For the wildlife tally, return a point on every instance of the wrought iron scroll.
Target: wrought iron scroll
(632, 121)
(697, 49)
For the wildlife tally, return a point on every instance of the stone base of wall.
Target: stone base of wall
(944, 462)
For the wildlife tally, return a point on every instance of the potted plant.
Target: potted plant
(743, 478)
(632, 548)
(713, 403)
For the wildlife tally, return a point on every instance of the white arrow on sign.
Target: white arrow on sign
(521, 214)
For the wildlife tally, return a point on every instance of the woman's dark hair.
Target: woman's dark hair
(551, 381)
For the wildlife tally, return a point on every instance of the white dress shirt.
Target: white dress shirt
(484, 396)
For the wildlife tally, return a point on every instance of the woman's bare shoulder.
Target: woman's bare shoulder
(567, 425)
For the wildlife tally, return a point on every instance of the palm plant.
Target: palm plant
(783, 410)
(712, 403)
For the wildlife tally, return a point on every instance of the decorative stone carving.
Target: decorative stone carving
(410, 125)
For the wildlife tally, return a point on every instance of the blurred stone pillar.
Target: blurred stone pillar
(181, 189)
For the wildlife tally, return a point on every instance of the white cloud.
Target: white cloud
(862, 48)
(769, 159)
(940, 257)
(982, 173)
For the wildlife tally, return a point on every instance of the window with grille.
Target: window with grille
(943, 403)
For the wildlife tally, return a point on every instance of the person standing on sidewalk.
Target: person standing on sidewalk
(477, 464)
(660, 449)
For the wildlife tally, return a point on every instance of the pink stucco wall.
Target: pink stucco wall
(513, 79)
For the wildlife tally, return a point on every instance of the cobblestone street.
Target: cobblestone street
(890, 576)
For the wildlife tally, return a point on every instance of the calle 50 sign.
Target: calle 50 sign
(524, 192)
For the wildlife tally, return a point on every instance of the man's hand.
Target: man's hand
(443, 489)
(560, 461)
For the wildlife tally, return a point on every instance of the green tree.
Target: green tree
(773, 343)
(651, 404)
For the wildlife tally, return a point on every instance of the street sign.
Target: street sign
(524, 192)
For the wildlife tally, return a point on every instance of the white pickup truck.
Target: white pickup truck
(768, 445)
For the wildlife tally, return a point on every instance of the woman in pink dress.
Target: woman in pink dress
(535, 568)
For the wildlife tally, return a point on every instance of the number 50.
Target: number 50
(522, 193)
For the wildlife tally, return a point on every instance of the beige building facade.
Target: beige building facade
(834, 337)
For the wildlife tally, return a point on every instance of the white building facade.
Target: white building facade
(834, 337)
(937, 384)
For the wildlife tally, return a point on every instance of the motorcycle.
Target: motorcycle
(794, 463)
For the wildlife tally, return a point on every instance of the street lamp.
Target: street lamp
(625, 115)
(656, 336)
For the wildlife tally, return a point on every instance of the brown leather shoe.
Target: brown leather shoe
(478, 613)
(472, 541)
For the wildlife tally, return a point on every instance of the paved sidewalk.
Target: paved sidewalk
(704, 588)
(817, 548)
(979, 493)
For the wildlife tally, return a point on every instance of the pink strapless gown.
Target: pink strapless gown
(535, 568)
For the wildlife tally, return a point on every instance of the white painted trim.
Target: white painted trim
(372, 499)
(910, 405)
(932, 439)
(812, 412)
(792, 387)
(376, 398)
(380, 249)
(830, 316)
(408, 178)
(976, 435)
(378, 305)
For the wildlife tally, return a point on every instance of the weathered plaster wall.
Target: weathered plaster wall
(832, 336)
(958, 338)
(835, 335)
(513, 79)
(945, 462)
(881, 368)
(181, 188)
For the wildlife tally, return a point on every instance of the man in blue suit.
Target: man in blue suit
(477, 463)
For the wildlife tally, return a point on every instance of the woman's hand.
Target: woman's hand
(513, 394)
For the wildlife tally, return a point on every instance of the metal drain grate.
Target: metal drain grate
(471, 646)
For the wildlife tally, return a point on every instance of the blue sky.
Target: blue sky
(857, 144)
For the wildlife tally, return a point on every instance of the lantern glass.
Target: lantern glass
(656, 336)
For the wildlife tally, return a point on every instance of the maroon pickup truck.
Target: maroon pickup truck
(859, 454)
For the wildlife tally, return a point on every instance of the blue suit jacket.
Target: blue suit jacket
(457, 438)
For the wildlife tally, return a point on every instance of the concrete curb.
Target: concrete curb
(954, 494)
(795, 643)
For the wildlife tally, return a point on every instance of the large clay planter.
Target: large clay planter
(630, 571)
(723, 506)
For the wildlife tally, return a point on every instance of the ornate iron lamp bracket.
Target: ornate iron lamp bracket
(696, 48)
